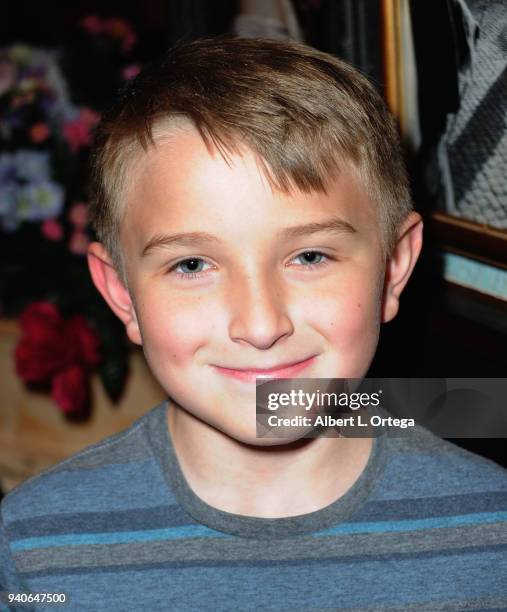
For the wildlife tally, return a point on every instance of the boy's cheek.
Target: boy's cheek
(350, 331)
(174, 332)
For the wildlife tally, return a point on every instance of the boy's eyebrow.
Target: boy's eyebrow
(187, 239)
(335, 225)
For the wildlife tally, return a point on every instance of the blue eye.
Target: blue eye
(192, 263)
(311, 255)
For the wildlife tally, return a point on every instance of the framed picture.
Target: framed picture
(445, 73)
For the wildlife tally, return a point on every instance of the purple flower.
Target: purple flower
(8, 170)
(39, 201)
(32, 166)
(30, 202)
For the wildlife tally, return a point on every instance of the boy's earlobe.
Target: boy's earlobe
(113, 290)
(401, 263)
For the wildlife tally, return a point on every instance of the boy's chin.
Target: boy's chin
(281, 442)
(295, 437)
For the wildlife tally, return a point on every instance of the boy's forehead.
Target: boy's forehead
(180, 182)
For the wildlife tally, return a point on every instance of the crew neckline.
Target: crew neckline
(259, 527)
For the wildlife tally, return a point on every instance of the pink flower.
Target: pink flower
(89, 117)
(128, 42)
(129, 72)
(77, 134)
(52, 230)
(92, 24)
(79, 242)
(78, 131)
(39, 132)
(78, 215)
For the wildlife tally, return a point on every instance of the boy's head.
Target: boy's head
(245, 140)
(302, 112)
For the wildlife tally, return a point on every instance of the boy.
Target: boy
(254, 221)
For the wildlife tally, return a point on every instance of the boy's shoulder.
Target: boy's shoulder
(103, 476)
(420, 464)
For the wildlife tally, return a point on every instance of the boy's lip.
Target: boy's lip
(283, 370)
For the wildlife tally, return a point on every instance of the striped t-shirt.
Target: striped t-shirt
(117, 527)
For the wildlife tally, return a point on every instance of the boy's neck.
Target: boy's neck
(264, 481)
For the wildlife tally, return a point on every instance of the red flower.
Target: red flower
(43, 348)
(51, 348)
(86, 341)
(71, 389)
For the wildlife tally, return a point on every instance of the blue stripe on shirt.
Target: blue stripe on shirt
(194, 531)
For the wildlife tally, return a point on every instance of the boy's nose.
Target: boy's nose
(258, 312)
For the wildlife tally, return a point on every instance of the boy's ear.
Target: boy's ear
(400, 264)
(113, 290)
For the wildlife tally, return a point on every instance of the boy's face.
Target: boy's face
(257, 300)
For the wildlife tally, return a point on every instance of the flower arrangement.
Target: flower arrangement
(47, 119)
(57, 353)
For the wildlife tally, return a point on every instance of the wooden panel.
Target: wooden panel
(464, 237)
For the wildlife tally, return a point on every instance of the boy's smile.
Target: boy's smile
(224, 277)
(249, 374)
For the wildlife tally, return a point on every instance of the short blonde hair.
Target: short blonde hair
(302, 112)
